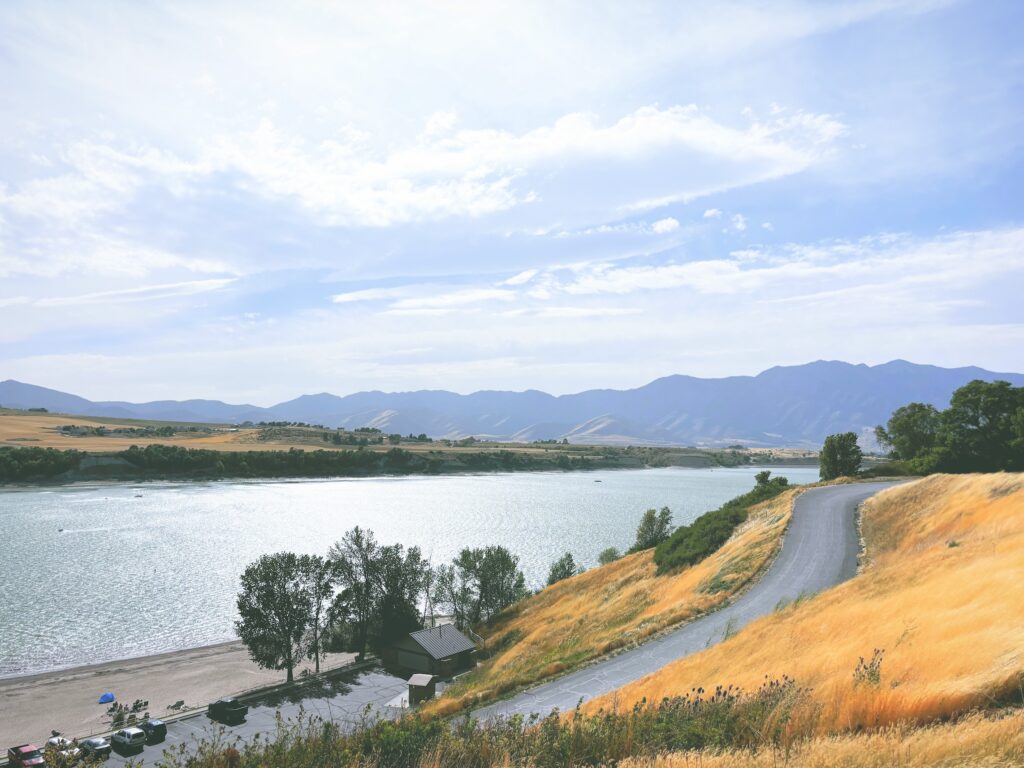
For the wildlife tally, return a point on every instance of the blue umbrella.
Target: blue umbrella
(106, 698)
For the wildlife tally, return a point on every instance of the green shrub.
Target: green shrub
(691, 543)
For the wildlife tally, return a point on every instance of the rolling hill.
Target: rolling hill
(786, 405)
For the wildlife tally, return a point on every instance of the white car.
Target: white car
(63, 749)
(128, 739)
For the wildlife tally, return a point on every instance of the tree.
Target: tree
(912, 431)
(563, 568)
(840, 456)
(356, 558)
(320, 576)
(980, 427)
(274, 609)
(609, 555)
(479, 584)
(402, 576)
(654, 528)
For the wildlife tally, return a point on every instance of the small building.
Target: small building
(421, 688)
(441, 651)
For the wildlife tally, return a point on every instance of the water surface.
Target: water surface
(153, 567)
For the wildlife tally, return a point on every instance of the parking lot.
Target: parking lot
(341, 697)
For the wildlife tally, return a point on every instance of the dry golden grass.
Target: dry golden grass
(613, 606)
(974, 741)
(942, 595)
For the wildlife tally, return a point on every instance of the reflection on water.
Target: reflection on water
(97, 572)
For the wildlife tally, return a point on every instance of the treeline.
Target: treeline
(27, 464)
(364, 596)
(691, 543)
(152, 461)
(202, 462)
(982, 430)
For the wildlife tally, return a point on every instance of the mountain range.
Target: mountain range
(794, 406)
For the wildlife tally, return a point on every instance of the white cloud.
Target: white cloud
(142, 293)
(460, 298)
(712, 213)
(739, 222)
(664, 226)
(370, 294)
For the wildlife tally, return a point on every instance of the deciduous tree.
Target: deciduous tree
(274, 608)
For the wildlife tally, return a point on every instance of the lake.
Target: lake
(95, 572)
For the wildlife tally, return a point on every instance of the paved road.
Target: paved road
(819, 551)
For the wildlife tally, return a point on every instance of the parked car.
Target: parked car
(155, 730)
(24, 756)
(65, 751)
(228, 711)
(128, 739)
(97, 747)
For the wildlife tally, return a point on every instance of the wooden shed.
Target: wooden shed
(441, 651)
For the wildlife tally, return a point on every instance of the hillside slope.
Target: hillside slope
(792, 406)
(616, 605)
(940, 599)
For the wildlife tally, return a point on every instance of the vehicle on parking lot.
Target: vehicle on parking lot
(155, 730)
(25, 756)
(229, 711)
(96, 747)
(128, 739)
(63, 751)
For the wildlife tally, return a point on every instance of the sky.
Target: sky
(253, 201)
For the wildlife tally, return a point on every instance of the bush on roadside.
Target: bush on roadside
(692, 543)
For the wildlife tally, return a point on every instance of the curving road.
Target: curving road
(819, 551)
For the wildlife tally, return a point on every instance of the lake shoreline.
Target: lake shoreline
(66, 699)
(178, 479)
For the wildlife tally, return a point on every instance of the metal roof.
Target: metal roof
(443, 641)
(421, 680)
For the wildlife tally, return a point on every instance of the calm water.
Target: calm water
(148, 568)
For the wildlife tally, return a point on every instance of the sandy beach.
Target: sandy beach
(32, 706)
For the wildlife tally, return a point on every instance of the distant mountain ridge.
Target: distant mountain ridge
(782, 406)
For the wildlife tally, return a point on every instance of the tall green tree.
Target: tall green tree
(912, 430)
(320, 576)
(478, 584)
(402, 577)
(609, 555)
(274, 607)
(563, 568)
(357, 560)
(840, 456)
(655, 527)
(980, 426)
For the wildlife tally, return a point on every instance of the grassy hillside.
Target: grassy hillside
(607, 608)
(977, 740)
(940, 599)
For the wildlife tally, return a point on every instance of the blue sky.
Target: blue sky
(199, 200)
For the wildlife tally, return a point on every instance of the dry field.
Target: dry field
(19, 429)
(942, 596)
(976, 740)
(613, 606)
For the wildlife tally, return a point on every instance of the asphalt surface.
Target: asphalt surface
(347, 697)
(819, 551)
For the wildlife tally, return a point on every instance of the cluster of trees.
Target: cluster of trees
(364, 595)
(982, 430)
(691, 543)
(24, 464)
